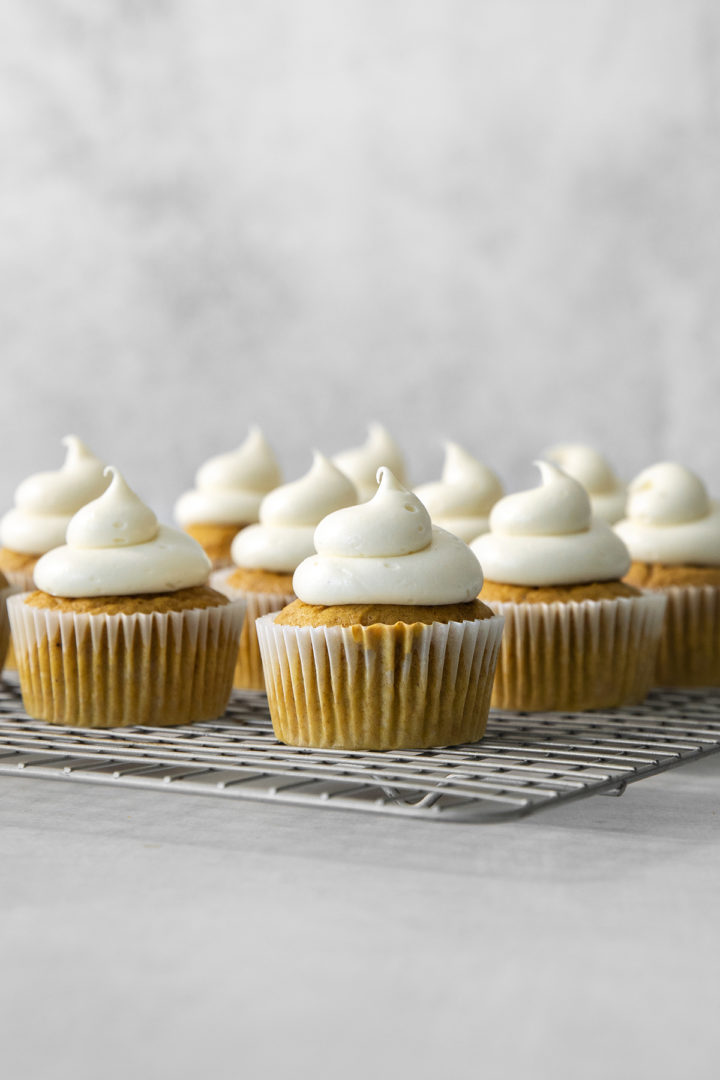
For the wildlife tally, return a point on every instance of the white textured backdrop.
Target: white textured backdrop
(492, 219)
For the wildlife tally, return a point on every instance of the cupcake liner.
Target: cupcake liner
(379, 687)
(689, 653)
(4, 625)
(588, 654)
(19, 581)
(158, 669)
(248, 669)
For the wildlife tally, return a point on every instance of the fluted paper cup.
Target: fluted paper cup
(4, 625)
(248, 669)
(379, 687)
(689, 653)
(20, 580)
(588, 654)
(158, 669)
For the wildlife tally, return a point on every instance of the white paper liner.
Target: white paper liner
(249, 670)
(379, 688)
(689, 653)
(104, 670)
(21, 580)
(588, 654)
(4, 624)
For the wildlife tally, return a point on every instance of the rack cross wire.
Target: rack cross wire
(526, 762)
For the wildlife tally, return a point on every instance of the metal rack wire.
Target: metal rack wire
(525, 762)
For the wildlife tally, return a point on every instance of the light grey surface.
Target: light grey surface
(492, 219)
(169, 936)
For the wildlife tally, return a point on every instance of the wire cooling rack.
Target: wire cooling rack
(525, 762)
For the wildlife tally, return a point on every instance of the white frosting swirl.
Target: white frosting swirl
(461, 501)
(45, 502)
(548, 536)
(670, 518)
(115, 547)
(361, 463)
(607, 493)
(387, 551)
(230, 487)
(288, 516)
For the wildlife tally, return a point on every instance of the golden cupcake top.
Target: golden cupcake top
(115, 547)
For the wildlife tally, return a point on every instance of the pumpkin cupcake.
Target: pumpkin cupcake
(5, 592)
(361, 463)
(386, 646)
(607, 493)
(227, 495)
(122, 628)
(463, 498)
(266, 555)
(672, 531)
(576, 636)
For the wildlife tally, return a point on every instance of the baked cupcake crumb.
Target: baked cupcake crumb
(264, 581)
(499, 593)
(301, 614)
(665, 575)
(192, 599)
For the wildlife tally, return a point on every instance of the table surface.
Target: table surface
(151, 934)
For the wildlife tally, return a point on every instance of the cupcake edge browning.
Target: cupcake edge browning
(300, 614)
(666, 575)
(496, 592)
(192, 599)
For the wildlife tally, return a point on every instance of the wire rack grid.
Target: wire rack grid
(526, 762)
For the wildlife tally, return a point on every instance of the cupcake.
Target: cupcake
(5, 592)
(362, 462)
(266, 555)
(607, 493)
(227, 496)
(386, 646)
(122, 628)
(576, 636)
(672, 531)
(461, 501)
(44, 504)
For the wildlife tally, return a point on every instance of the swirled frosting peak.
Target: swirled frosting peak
(548, 536)
(288, 516)
(461, 501)
(362, 462)
(387, 551)
(670, 518)
(45, 502)
(230, 487)
(115, 547)
(607, 493)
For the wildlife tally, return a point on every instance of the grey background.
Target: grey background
(495, 220)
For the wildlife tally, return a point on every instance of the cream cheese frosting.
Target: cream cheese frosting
(230, 487)
(288, 517)
(549, 536)
(45, 502)
(670, 518)
(387, 551)
(607, 493)
(361, 463)
(463, 498)
(115, 547)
